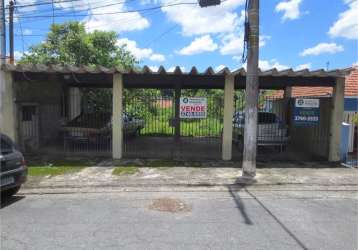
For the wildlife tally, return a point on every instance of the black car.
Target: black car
(13, 169)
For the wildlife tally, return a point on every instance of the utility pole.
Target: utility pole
(252, 91)
(11, 31)
(2, 32)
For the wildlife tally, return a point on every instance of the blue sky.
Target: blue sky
(294, 33)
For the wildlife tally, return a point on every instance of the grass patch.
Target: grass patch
(157, 124)
(52, 171)
(56, 167)
(125, 170)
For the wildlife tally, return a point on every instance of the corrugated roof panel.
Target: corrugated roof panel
(146, 70)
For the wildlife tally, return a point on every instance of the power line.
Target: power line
(161, 35)
(53, 13)
(45, 3)
(22, 33)
(115, 12)
(71, 8)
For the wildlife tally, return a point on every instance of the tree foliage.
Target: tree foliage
(70, 44)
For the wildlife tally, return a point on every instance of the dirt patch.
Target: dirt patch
(170, 205)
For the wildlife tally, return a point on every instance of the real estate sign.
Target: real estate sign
(193, 107)
(306, 112)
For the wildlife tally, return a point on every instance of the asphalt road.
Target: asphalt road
(197, 220)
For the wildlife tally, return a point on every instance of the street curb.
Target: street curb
(189, 188)
(203, 184)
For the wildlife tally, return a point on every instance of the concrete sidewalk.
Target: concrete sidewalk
(155, 177)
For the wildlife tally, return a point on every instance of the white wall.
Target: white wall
(348, 118)
(8, 115)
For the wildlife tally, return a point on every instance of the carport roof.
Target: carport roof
(144, 77)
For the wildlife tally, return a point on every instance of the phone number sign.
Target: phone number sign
(306, 112)
(193, 107)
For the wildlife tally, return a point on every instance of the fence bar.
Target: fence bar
(177, 112)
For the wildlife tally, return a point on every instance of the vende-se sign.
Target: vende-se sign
(306, 112)
(193, 107)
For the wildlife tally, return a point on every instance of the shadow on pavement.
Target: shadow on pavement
(283, 226)
(242, 184)
(233, 190)
(10, 200)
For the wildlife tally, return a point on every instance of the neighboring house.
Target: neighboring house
(350, 101)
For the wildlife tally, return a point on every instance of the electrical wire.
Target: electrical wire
(115, 12)
(246, 35)
(44, 3)
(53, 13)
(161, 35)
(21, 31)
(73, 7)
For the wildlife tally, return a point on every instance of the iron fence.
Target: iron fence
(152, 112)
(87, 127)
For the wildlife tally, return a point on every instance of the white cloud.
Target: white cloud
(171, 69)
(198, 21)
(220, 67)
(154, 68)
(27, 8)
(322, 48)
(347, 24)
(237, 58)
(290, 9)
(157, 58)
(355, 64)
(98, 19)
(139, 53)
(233, 44)
(303, 66)
(27, 32)
(266, 65)
(18, 55)
(199, 45)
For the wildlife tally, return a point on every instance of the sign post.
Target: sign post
(306, 112)
(193, 107)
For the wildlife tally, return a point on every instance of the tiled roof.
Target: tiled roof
(351, 88)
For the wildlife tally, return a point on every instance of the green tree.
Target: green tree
(70, 44)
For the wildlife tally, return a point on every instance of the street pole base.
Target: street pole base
(249, 169)
(248, 175)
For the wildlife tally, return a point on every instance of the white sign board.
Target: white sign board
(307, 103)
(193, 107)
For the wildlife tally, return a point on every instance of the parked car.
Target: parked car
(13, 169)
(96, 127)
(271, 131)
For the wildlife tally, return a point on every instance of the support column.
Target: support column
(336, 120)
(8, 112)
(117, 117)
(229, 92)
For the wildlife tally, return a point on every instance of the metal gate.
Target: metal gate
(278, 137)
(29, 127)
(151, 129)
(272, 127)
